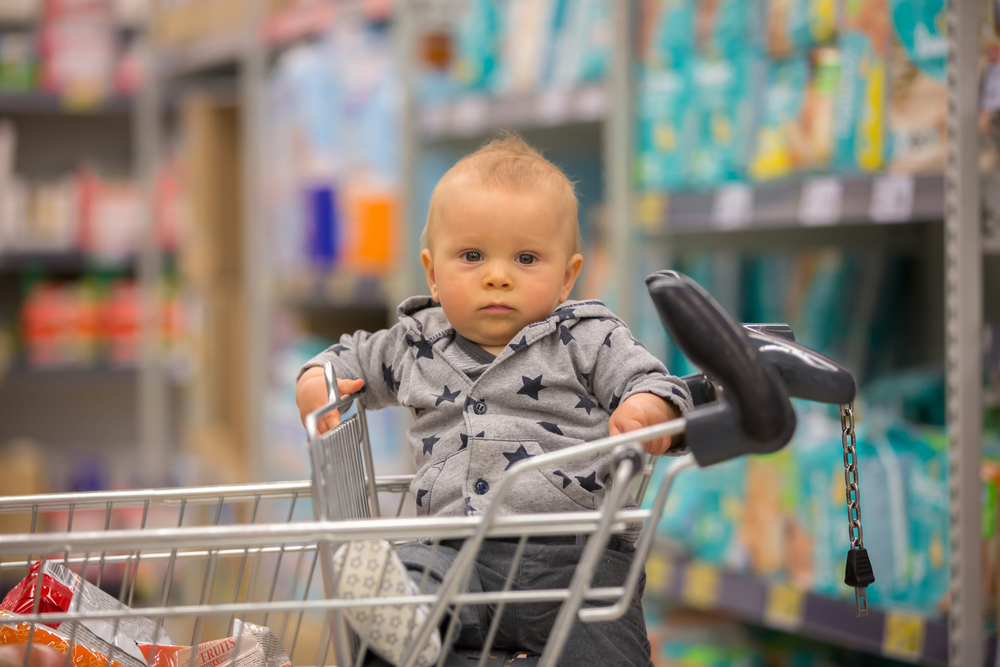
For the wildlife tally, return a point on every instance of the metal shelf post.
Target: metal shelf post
(963, 331)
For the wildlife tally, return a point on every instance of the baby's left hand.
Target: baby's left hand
(639, 411)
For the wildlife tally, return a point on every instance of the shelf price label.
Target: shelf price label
(785, 606)
(471, 115)
(820, 202)
(892, 198)
(732, 207)
(903, 636)
(658, 571)
(592, 103)
(701, 586)
(553, 106)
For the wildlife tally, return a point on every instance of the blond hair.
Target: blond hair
(507, 162)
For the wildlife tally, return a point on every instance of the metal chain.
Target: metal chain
(851, 476)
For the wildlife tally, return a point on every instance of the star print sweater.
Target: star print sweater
(555, 385)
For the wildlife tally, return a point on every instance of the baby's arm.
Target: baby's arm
(636, 388)
(365, 362)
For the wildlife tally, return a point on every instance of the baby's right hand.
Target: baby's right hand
(310, 395)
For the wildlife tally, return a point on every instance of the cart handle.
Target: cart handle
(334, 402)
(755, 414)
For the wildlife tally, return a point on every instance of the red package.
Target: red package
(55, 595)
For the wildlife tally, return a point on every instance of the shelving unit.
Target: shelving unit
(896, 634)
(881, 210)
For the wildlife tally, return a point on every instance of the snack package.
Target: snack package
(250, 646)
(859, 130)
(96, 642)
(794, 26)
(61, 587)
(918, 111)
(795, 133)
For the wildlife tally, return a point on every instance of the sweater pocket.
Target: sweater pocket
(534, 491)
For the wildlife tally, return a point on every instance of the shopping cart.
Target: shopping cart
(240, 563)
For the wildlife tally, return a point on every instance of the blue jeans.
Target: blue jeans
(548, 563)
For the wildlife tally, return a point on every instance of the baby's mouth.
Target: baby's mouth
(497, 308)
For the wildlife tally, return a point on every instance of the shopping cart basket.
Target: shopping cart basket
(266, 573)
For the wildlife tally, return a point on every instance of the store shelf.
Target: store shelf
(816, 202)
(333, 292)
(19, 103)
(208, 53)
(896, 634)
(477, 114)
(63, 262)
(21, 377)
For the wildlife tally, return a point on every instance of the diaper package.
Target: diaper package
(666, 130)
(727, 28)
(794, 26)
(795, 131)
(859, 129)
(918, 110)
(723, 111)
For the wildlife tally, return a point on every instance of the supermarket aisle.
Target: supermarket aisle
(197, 196)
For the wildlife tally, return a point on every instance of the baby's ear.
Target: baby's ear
(427, 260)
(572, 273)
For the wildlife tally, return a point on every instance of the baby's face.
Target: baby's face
(499, 261)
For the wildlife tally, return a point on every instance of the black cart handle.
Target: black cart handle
(755, 415)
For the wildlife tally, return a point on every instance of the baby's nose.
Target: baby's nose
(497, 278)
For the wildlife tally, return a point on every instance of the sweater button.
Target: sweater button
(480, 408)
(482, 486)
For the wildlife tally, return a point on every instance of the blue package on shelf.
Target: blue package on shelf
(324, 239)
(672, 39)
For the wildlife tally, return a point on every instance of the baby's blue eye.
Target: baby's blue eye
(472, 256)
(525, 258)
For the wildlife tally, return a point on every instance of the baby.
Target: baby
(498, 366)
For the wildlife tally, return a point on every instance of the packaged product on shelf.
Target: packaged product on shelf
(528, 38)
(794, 26)
(795, 127)
(50, 221)
(989, 114)
(666, 129)
(583, 43)
(728, 28)
(918, 89)
(372, 230)
(669, 33)
(78, 60)
(111, 216)
(859, 130)
(122, 323)
(479, 42)
(18, 62)
(723, 91)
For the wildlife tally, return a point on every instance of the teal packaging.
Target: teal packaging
(478, 45)
(722, 91)
(794, 26)
(858, 129)
(781, 105)
(665, 131)
(728, 28)
(672, 40)
(583, 30)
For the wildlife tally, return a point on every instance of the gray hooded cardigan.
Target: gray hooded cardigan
(555, 385)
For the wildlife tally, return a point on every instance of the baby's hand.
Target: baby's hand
(310, 395)
(642, 410)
